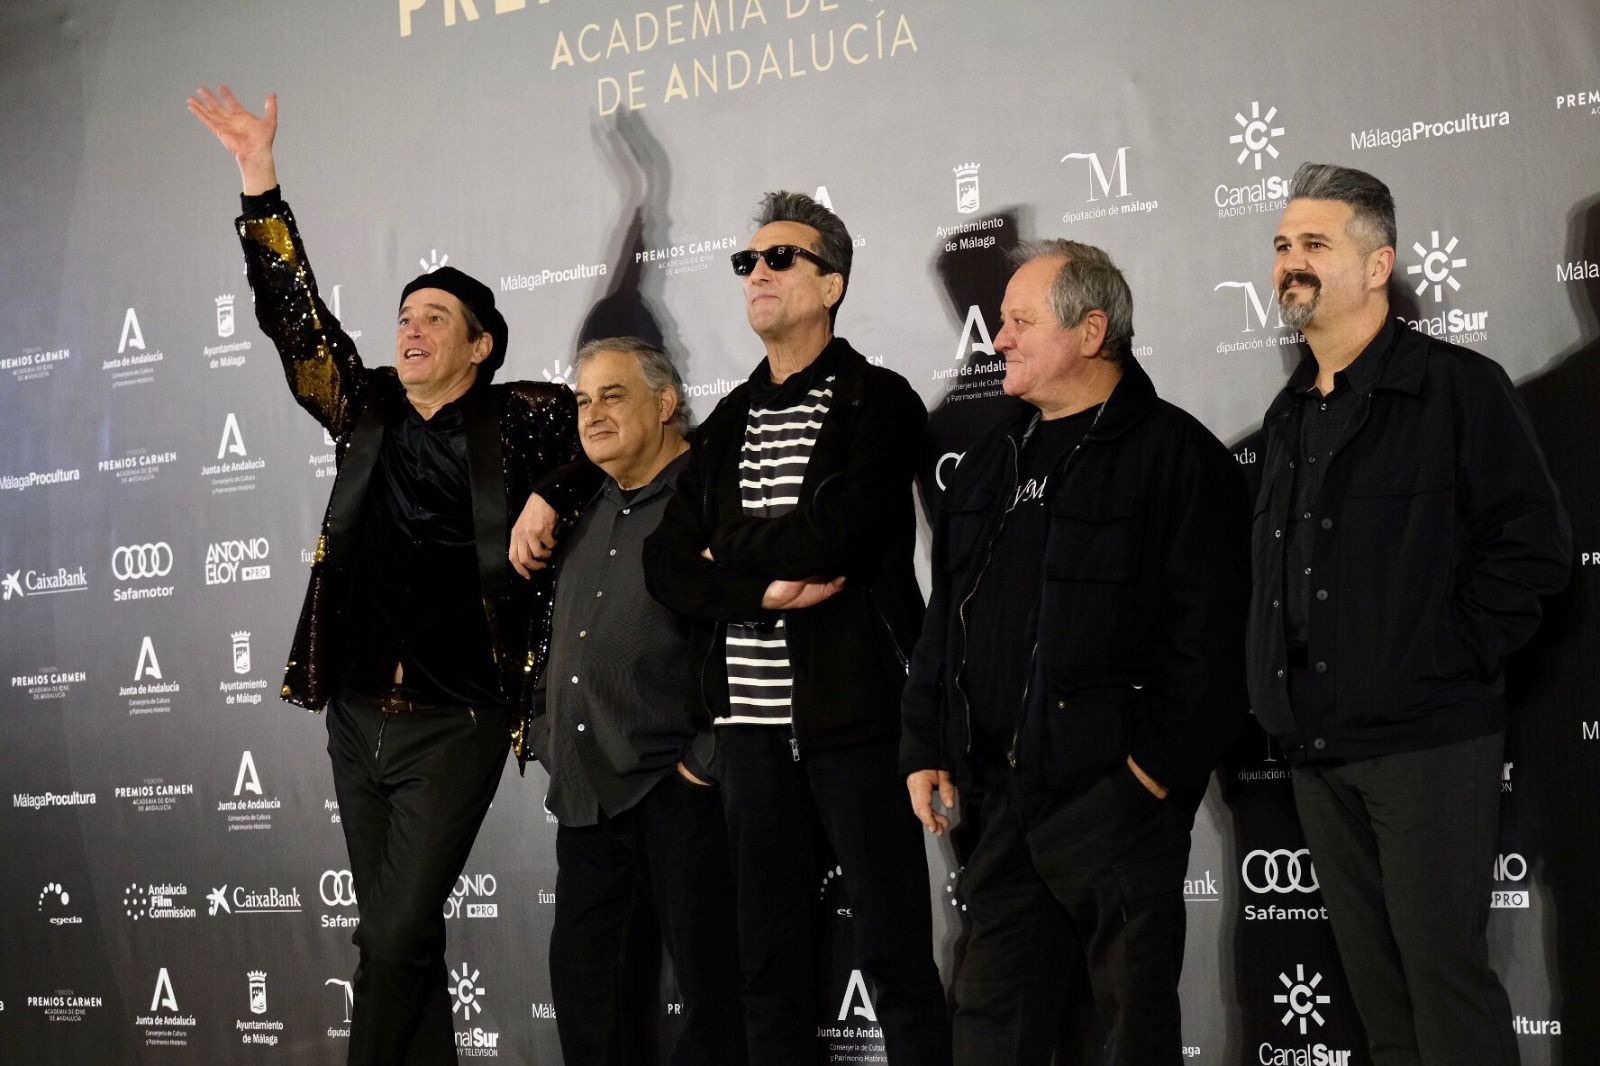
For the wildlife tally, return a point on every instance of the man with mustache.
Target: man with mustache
(1405, 530)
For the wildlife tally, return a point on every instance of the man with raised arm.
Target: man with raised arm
(416, 635)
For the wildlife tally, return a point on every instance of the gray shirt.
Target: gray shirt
(619, 692)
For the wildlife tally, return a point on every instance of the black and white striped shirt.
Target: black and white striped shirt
(778, 442)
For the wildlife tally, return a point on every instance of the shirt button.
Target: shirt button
(1274, 604)
(1308, 571)
(613, 551)
(599, 593)
(627, 510)
(583, 632)
(1311, 458)
(1319, 743)
(1280, 671)
(574, 679)
(1306, 515)
(1323, 406)
(1061, 704)
(1277, 532)
(580, 727)
(1327, 523)
(1320, 667)
(1322, 594)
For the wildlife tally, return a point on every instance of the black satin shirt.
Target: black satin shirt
(415, 597)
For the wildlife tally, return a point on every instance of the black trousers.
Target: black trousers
(1404, 847)
(669, 854)
(1054, 882)
(772, 803)
(413, 789)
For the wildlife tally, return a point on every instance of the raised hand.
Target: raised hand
(248, 136)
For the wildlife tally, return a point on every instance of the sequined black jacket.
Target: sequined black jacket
(521, 437)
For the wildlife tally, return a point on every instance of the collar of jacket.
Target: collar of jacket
(485, 477)
(836, 357)
(1405, 361)
(1130, 400)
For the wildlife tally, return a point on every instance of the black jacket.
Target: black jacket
(521, 437)
(1141, 610)
(1439, 530)
(855, 517)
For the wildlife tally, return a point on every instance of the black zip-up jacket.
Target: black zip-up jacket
(1141, 608)
(1438, 529)
(855, 517)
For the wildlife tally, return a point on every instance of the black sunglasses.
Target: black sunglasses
(778, 257)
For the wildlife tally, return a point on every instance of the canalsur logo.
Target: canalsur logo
(251, 807)
(559, 371)
(1435, 274)
(1301, 1002)
(1252, 142)
(1105, 185)
(134, 363)
(466, 996)
(433, 261)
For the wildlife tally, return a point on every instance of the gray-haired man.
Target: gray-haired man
(1081, 665)
(622, 735)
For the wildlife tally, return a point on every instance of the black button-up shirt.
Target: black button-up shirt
(1322, 425)
(415, 594)
(620, 690)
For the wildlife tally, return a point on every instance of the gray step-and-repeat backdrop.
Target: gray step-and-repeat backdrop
(174, 886)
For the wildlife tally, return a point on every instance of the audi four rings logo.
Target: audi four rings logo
(1279, 870)
(338, 888)
(134, 561)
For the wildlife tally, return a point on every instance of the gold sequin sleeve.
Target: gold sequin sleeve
(319, 360)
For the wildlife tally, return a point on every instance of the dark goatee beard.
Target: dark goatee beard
(1297, 315)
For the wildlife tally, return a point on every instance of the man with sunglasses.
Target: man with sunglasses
(789, 540)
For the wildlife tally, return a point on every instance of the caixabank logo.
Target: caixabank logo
(22, 583)
(1254, 146)
(1434, 273)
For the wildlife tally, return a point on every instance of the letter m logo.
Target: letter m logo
(1098, 175)
(1256, 313)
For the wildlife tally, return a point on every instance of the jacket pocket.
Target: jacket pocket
(965, 520)
(1083, 732)
(1091, 538)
